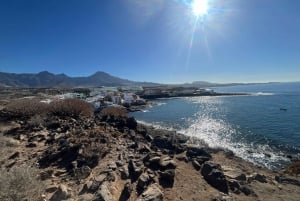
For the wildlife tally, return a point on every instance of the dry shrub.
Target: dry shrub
(294, 168)
(25, 108)
(19, 184)
(71, 108)
(7, 146)
(34, 109)
(36, 121)
(114, 111)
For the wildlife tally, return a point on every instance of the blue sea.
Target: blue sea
(254, 126)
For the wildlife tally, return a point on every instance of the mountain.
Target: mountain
(47, 79)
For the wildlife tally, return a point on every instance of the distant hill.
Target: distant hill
(47, 79)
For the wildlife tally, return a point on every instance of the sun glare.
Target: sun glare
(199, 7)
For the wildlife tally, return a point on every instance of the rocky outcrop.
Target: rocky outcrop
(118, 159)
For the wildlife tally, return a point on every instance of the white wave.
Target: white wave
(160, 103)
(218, 134)
(262, 94)
(156, 125)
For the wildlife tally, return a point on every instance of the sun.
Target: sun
(199, 7)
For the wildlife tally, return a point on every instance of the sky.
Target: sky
(165, 41)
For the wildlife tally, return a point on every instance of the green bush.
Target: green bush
(20, 184)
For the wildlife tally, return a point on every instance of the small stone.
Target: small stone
(46, 174)
(153, 193)
(126, 192)
(31, 145)
(167, 163)
(143, 181)
(234, 174)
(104, 194)
(124, 172)
(86, 197)
(196, 165)
(14, 155)
(51, 188)
(119, 163)
(135, 170)
(182, 158)
(83, 172)
(100, 178)
(166, 178)
(60, 194)
(247, 190)
(260, 178)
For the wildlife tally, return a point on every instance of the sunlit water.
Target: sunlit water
(253, 127)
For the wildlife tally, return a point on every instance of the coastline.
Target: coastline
(135, 162)
(167, 95)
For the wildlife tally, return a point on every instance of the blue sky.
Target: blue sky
(153, 40)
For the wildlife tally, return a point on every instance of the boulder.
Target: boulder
(153, 193)
(213, 174)
(131, 123)
(196, 151)
(162, 142)
(152, 162)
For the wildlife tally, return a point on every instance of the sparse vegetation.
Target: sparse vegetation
(114, 111)
(20, 184)
(7, 145)
(36, 120)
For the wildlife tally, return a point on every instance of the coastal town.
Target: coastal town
(133, 98)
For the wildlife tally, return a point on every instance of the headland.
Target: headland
(82, 154)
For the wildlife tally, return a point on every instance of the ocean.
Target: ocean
(263, 128)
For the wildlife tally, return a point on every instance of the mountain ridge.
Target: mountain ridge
(47, 79)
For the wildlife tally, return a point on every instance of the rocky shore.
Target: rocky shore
(110, 157)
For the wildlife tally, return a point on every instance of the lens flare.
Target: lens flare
(199, 7)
